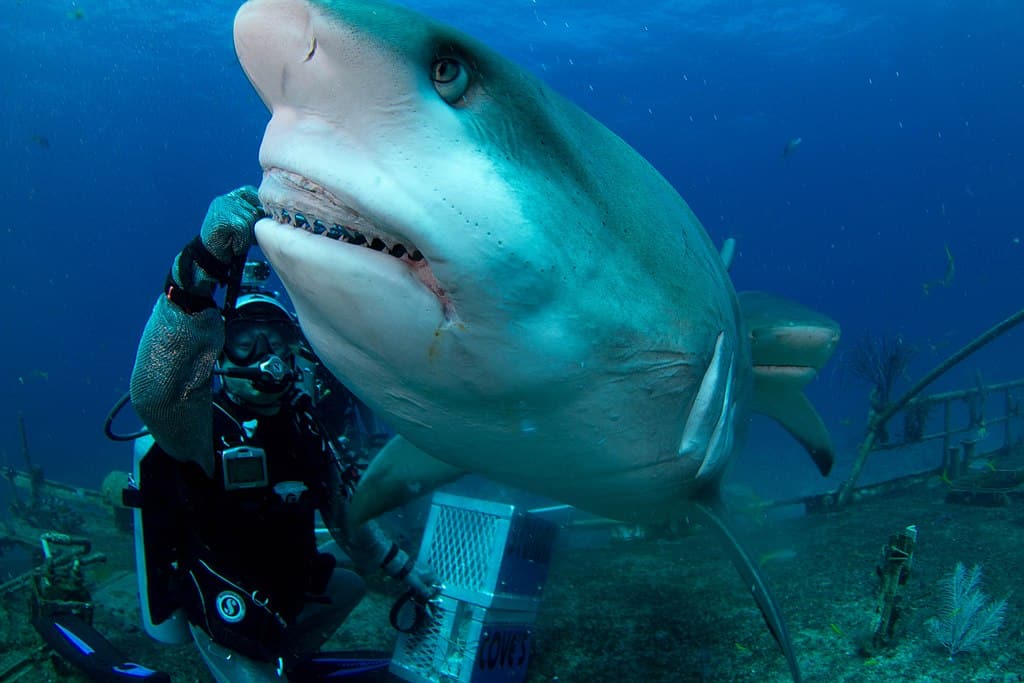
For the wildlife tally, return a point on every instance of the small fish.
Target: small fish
(791, 146)
(742, 648)
(945, 479)
(777, 556)
(871, 662)
(950, 267)
(838, 631)
(42, 141)
(947, 279)
(34, 374)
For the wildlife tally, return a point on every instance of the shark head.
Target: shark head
(506, 281)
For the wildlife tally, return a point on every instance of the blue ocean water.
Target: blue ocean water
(122, 119)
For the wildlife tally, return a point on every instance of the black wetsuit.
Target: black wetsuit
(216, 545)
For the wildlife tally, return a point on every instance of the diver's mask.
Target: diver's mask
(261, 353)
(246, 341)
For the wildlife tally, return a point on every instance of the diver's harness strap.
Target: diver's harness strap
(180, 289)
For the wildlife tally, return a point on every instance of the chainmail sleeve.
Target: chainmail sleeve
(171, 385)
(369, 546)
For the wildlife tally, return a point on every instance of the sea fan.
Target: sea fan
(968, 619)
(880, 360)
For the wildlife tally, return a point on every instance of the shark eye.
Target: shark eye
(451, 79)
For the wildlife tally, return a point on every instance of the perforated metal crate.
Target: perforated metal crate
(466, 643)
(493, 560)
(488, 553)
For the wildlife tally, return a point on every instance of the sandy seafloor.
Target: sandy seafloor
(674, 609)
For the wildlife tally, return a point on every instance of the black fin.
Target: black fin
(364, 666)
(86, 648)
(714, 512)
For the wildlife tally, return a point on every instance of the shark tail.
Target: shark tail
(713, 511)
(789, 344)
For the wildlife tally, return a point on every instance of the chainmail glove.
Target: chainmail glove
(227, 229)
(227, 233)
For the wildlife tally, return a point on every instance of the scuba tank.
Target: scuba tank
(172, 630)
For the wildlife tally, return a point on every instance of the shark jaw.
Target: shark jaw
(405, 245)
(291, 199)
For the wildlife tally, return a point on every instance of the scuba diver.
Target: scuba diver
(239, 467)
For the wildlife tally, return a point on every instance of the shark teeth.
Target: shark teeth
(344, 233)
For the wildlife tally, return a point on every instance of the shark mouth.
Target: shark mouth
(291, 199)
(343, 233)
(298, 201)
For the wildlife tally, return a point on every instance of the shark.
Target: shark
(505, 281)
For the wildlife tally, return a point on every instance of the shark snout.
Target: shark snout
(272, 38)
(305, 58)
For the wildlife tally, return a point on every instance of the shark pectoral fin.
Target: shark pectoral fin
(788, 344)
(713, 511)
(399, 473)
(779, 397)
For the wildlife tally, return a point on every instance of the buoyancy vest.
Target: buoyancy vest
(246, 557)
